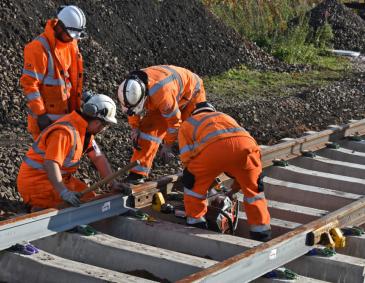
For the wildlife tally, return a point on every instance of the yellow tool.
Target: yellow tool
(157, 201)
(338, 237)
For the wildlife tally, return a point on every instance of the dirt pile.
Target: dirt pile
(348, 28)
(124, 35)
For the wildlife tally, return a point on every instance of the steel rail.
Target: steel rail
(51, 221)
(245, 265)
(259, 260)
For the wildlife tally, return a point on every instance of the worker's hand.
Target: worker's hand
(166, 153)
(134, 137)
(125, 189)
(43, 121)
(72, 198)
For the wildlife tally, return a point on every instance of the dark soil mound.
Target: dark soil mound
(130, 34)
(348, 27)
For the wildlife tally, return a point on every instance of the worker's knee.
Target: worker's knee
(188, 179)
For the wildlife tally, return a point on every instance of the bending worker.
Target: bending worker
(45, 178)
(156, 100)
(53, 70)
(211, 143)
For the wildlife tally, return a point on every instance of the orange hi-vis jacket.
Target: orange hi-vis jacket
(52, 77)
(74, 126)
(171, 89)
(202, 129)
(32, 181)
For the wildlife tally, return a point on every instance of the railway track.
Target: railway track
(320, 188)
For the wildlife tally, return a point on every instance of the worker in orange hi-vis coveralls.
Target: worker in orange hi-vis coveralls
(156, 100)
(211, 143)
(53, 70)
(45, 177)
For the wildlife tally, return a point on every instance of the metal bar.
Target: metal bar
(291, 149)
(51, 221)
(259, 260)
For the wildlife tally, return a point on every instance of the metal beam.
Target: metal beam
(51, 221)
(259, 260)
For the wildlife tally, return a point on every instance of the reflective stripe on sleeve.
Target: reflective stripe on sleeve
(148, 137)
(33, 96)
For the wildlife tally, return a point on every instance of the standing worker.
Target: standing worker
(156, 100)
(211, 143)
(45, 177)
(53, 70)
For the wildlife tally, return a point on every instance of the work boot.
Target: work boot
(263, 236)
(134, 178)
(197, 222)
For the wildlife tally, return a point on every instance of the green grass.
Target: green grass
(248, 83)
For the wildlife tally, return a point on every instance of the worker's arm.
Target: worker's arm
(101, 163)
(58, 145)
(54, 175)
(34, 70)
(134, 121)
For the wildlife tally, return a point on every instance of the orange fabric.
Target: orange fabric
(42, 194)
(56, 142)
(68, 67)
(211, 126)
(164, 101)
(238, 156)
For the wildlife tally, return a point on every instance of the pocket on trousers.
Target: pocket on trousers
(253, 160)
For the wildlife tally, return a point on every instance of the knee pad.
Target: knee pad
(260, 183)
(188, 179)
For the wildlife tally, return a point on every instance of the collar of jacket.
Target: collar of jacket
(49, 33)
(77, 119)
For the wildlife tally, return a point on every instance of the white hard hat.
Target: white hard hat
(74, 20)
(100, 106)
(132, 95)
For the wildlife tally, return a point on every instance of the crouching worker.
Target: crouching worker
(211, 143)
(45, 177)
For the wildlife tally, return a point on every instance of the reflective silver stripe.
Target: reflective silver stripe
(148, 137)
(195, 91)
(55, 117)
(67, 163)
(177, 77)
(197, 85)
(197, 125)
(172, 113)
(33, 95)
(191, 220)
(33, 74)
(260, 228)
(172, 130)
(140, 168)
(194, 194)
(49, 79)
(33, 164)
(190, 147)
(255, 198)
(157, 86)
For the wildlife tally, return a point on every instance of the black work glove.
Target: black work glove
(43, 121)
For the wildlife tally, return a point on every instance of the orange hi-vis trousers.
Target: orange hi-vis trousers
(38, 192)
(239, 157)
